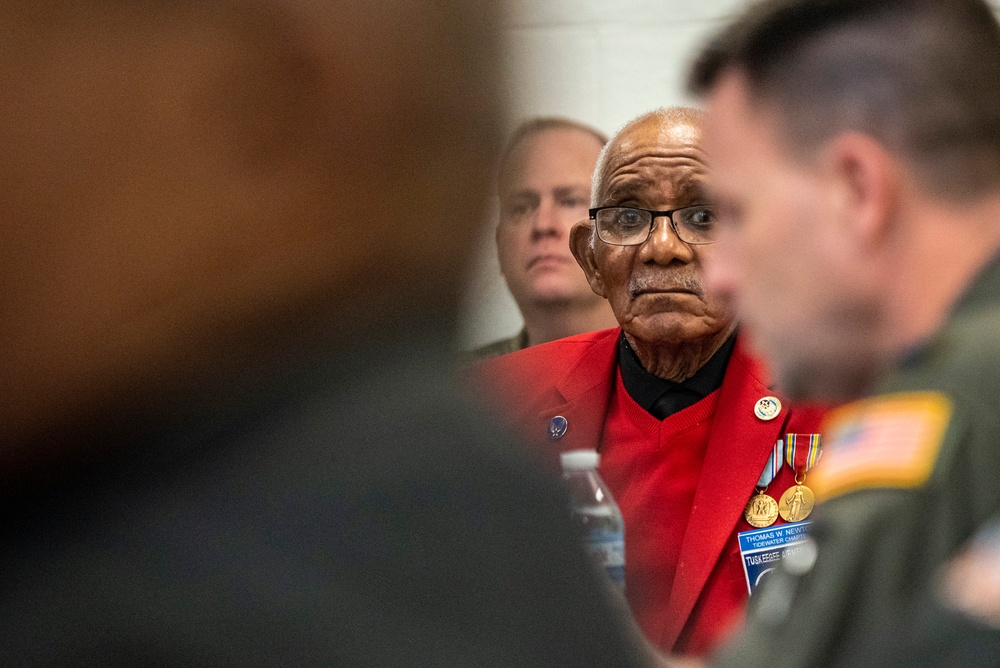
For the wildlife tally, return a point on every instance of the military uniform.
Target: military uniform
(907, 478)
(517, 342)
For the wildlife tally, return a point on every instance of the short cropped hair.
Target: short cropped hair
(539, 124)
(922, 77)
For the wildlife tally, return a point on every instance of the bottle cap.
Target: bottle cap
(580, 460)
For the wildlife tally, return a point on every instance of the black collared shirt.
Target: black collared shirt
(661, 397)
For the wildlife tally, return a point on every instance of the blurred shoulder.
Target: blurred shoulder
(554, 354)
(538, 368)
(502, 347)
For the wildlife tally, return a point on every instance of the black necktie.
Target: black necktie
(674, 400)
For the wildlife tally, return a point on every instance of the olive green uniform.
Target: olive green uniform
(517, 342)
(913, 472)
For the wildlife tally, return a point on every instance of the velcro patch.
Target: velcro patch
(888, 441)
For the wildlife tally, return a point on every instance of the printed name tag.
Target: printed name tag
(763, 549)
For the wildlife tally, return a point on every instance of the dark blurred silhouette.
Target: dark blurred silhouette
(227, 282)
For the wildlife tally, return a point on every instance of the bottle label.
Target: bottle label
(608, 549)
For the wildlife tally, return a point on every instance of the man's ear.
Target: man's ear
(583, 250)
(867, 180)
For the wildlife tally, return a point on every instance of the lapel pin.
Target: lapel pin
(767, 408)
(557, 427)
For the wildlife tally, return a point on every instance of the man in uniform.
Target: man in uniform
(544, 188)
(855, 151)
(227, 432)
(690, 434)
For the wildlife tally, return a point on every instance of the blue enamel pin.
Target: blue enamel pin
(557, 427)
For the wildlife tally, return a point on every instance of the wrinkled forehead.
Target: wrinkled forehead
(653, 156)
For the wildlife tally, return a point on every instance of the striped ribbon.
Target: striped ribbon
(802, 451)
(774, 464)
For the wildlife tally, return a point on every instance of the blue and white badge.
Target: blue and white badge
(763, 549)
(557, 427)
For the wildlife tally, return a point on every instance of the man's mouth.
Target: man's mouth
(547, 259)
(638, 287)
(666, 290)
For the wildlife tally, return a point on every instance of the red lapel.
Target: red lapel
(583, 396)
(738, 447)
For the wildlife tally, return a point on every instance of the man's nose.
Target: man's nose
(720, 275)
(663, 245)
(548, 220)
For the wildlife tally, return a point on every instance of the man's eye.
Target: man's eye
(517, 210)
(629, 219)
(701, 217)
(574, 202)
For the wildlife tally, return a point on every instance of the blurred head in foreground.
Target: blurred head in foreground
(233, 235)
(187, 188)
(855, 156)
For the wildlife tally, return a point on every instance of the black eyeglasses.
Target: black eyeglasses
(629, 226)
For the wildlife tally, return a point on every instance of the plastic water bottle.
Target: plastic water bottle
(595, 512)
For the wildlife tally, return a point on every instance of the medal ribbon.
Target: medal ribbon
(774, 464)
(802, 451)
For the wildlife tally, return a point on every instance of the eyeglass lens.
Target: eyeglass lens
(625, 226)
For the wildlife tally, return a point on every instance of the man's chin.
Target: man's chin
(826, 380)
(674, 327)
(554, 294)
(832, 363)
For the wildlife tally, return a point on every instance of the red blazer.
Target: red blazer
(574, 377)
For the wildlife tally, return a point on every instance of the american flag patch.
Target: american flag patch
(889, 441)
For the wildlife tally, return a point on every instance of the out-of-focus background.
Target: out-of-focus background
(598, 61)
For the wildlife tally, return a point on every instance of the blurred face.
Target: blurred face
(102, 185)
(544, 190)
(785, 257)
(179, 186)
(655, 288)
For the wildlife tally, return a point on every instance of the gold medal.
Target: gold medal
(762, 510)
(796, 503)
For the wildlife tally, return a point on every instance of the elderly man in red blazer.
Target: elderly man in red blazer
(694, 442)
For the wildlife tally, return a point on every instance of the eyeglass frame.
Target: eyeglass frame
(592, 213)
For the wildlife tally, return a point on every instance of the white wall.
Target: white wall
(601, 62)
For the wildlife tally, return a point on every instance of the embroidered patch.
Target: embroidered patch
(890, 441)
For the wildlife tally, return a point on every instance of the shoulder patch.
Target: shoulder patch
(888, 441)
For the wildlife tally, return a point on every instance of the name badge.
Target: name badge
(763, 549)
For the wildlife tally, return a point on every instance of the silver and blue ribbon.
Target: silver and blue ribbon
(774, 463)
